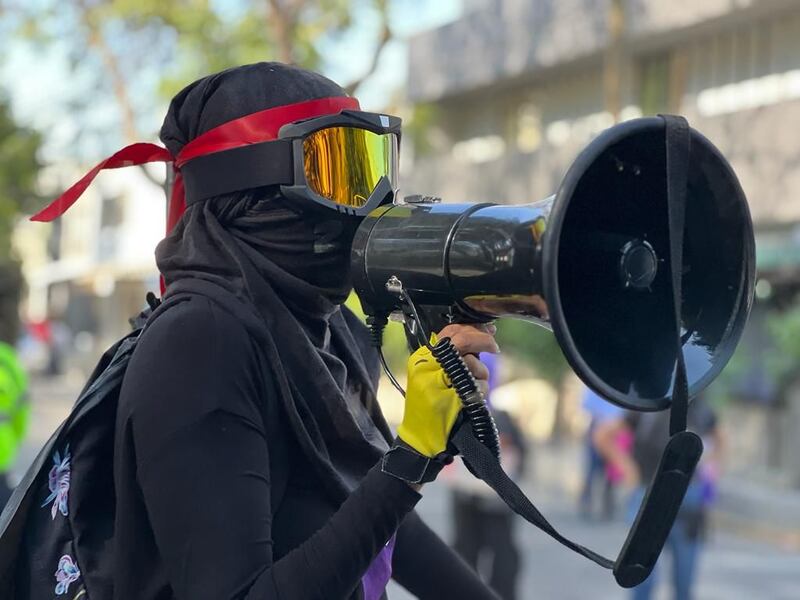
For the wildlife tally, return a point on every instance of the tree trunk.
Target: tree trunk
(612, 64)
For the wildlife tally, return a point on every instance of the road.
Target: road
(731, 568)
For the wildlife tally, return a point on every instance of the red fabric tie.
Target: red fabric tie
(257, 127)
(135, 154)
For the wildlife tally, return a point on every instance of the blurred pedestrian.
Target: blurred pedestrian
(650, 434)
(483, 524)
(14, 413)
(598, 473)
(60, 343)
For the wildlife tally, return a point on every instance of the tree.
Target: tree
(142, 52)
(19, 167)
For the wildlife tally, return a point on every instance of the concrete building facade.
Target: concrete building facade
(91, 268)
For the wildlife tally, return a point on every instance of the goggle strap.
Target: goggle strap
(246, 167)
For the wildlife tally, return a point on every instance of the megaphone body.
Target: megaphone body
(591, 262)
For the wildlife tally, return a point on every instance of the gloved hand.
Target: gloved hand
(432, 406)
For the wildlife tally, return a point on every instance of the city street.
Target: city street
(732, 567)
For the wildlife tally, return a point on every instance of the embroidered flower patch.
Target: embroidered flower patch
(66, 574)
(58, 482)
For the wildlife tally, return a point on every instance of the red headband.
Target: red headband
(258, 127)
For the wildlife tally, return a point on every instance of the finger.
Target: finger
(452, 329)
(469, 339)
(479, 370)
(489, 328)
(483, 386)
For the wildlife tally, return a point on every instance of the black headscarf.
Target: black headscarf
(283, 274)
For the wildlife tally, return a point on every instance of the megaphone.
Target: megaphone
(591, 262)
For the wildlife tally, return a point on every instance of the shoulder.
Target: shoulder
(193, 358)
(193, 322)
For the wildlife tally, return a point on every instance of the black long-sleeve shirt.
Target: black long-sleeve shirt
(215, 501)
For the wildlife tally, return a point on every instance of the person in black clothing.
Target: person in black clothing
(248, 439)
(483, 525)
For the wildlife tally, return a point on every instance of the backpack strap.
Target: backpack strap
(106, 377)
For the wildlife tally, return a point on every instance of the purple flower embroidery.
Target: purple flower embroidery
(58, 482)
(67, 573)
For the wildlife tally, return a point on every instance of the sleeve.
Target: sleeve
(430, 569)
(203, 468)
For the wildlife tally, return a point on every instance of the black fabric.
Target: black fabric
(42, 535)
(430, 570)
(284, 274)
(34, 544)
(481, 530)
(236, 92)
(216, 500)
(246, 428)
(405, 463)
(307, 371)
(253, 166)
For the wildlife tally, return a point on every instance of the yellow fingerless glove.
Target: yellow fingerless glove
(432, 406)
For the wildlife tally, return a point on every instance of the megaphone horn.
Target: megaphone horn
(591, 262)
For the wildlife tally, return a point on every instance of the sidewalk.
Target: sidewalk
(752, 510)
(744, 507)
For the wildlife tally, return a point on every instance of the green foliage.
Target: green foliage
(204, 37)
(418, 128)
(783, 361)
(138, 53)
(534, 346)
(778, 353)
(395, 347)
(19, 167)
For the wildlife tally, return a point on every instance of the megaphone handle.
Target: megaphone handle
(446, 354)
(462, 380)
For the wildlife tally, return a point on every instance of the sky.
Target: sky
(42, 86)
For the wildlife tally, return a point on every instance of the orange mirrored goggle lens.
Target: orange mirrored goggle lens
(345, 164)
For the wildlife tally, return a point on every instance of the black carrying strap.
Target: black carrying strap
(665, 493)
(246, 167)
(678, 140)
(485, 466)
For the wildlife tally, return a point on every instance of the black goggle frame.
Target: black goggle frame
(281, 162)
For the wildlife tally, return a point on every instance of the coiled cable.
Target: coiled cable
(474, 404)
(446, 354)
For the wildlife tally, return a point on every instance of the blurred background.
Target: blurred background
(497, 97)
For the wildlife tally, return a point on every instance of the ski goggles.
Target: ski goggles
(346, 161)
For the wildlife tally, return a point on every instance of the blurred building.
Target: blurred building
(90, 270)
(514, 89)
